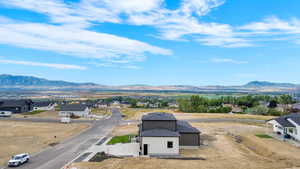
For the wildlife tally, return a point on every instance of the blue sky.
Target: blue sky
(156, 42)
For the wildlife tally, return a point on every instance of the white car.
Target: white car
(18, 160)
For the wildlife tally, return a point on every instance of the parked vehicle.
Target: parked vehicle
(18, 160)
(5, 113)
(65, 120)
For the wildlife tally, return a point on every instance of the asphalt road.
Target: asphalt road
(58, 156)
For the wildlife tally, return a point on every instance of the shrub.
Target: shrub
(274, 112)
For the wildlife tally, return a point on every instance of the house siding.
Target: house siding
(276, 126)
(189, 139)
(158, 145)
(296, 130)
(149, 125)
(77, 113)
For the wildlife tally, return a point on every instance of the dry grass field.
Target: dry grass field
(101, 112)
(20, 137)
(45, 114)
(136, 114)
(221, 150)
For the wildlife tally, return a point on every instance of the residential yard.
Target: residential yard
(21, 137)
(121, 139)
(136, 114)
(226, 145)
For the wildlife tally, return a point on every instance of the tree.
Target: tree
(285, 100)
(273, 104)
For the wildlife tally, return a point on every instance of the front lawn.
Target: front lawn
(121, 139)
(263, 136)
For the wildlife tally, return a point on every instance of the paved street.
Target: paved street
(56, 157)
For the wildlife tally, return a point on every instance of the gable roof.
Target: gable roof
(14, 103)
(159, 133)
(73, 107)
(41, 104)
(161, 116)
(284, 122)
(185, 127)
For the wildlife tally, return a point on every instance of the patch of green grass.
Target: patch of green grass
(121, 139)
(263, 136)
(34, 112)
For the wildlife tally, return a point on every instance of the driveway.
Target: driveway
(58, 156)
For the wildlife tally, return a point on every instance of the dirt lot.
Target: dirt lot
(20, 137)
(45, 114)
(136, 114)
(101, 112)
(226, 145)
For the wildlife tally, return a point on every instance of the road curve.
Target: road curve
(58, 156)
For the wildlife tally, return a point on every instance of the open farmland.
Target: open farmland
(20, 137)
(226, 145)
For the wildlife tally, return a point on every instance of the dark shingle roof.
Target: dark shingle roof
(185, 127)
(14, 103)
(284, 122)
(296, 120)
(159, 116)
(73, 107)
(41, 104)
(159, 133)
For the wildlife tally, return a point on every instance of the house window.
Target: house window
(170, 144)
(291, 130)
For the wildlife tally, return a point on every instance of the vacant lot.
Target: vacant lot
(20, 137)
(101, 111)
(226, 145)
(44, 114)
(136, 114)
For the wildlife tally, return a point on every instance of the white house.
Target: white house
(74, 109)
(43, 106)
(287, 125)
(162, 134)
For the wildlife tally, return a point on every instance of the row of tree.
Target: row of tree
(249, 103)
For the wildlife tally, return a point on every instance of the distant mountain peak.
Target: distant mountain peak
(19, 80)
(268, 84)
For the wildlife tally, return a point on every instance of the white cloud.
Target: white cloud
(274, 23)
(172, 24)
(225, 60)
(74, 41)
(183, 23)
(51, 65)
(200, 7)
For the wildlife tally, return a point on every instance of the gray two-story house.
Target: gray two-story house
(162, 134)
(16, 106)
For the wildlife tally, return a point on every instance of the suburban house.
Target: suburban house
(162, 134)
(75, 110)
(43, 105)
(287, 125)
(16, 106)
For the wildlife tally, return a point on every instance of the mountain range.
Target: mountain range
(31, 82)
